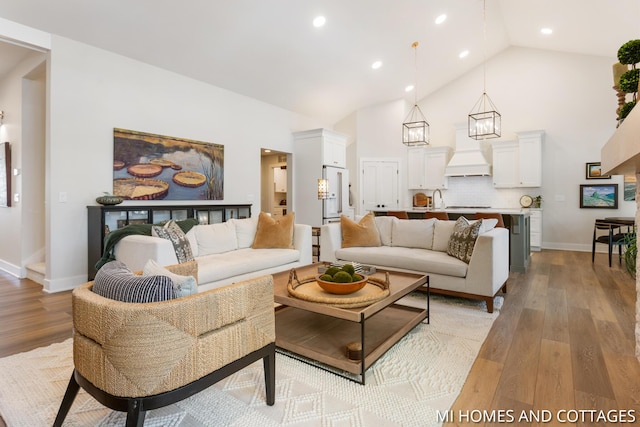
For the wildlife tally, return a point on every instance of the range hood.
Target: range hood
(468, 158)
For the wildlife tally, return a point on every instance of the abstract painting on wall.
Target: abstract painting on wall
(154, 167)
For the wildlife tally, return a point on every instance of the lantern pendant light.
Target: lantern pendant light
(484, 120)
(415, 129)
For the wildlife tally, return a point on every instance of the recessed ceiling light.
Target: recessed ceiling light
(409, 88)
(319, 21)
(440, 19)
(267, 151)
(546, 31)
(376, 65)
(463, 54)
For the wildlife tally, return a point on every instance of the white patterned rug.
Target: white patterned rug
(420, 375)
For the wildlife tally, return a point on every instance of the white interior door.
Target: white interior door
(379, 185)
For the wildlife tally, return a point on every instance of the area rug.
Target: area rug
(418, 377)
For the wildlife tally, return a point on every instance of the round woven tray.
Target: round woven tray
(307, 289)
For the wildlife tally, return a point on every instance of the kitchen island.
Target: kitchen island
(517, 221)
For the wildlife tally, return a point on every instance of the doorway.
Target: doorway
(275, 188)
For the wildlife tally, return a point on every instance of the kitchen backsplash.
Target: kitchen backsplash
(479, 191)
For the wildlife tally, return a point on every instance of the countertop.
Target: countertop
(505, 211)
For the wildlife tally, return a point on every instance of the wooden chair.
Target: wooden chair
(398, 214)
(135, 357)
(498, 216)
(438, 215)
(611, 234)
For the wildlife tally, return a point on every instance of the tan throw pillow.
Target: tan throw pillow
(463, 239)
(363, 233)
(274, 234)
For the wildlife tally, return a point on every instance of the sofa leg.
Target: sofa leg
(504, 288)
(489, 304)
(67, 401)
(269, 362)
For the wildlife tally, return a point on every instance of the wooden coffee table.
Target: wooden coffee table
(319, 333)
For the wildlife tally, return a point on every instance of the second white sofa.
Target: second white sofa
(420, 246)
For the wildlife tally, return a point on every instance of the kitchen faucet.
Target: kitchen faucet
(433, 197)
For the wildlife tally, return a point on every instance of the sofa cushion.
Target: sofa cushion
(245, 231)
(361, 234)
(441, 233)
(463, 239)
(415, 233)
(216, 238)
(193, 241)
(183, 285)
(115, 281)
(274, 233)
(385, 225)
(216, 267)
(172, 232)
(414, 259)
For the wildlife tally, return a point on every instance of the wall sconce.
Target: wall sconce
(323, 189)
(1, 117)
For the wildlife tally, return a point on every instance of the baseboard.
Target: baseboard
(66, 284)
(14, 270)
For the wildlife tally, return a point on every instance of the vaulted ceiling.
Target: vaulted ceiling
(269, 50)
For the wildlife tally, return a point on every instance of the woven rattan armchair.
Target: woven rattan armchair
(136, 357)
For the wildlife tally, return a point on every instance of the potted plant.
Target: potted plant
(630, 253)
(537, 201)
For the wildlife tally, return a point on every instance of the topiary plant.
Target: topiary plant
(626, 109)
(629, 81)
(629, 53)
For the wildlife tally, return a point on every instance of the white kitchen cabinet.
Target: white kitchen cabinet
(334, 152)
(536, 229)
(279, 180)
(426, 166)
(518, 163)
(379, 185)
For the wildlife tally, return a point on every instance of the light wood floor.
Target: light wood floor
(564, 339)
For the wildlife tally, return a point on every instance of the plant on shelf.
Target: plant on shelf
(630, 253)
(628, 54)
(537, 201)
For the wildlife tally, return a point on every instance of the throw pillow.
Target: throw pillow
(272, 233)
(415, 233)
(245, 231)
(360, 234)
(441, 234)
(172, 232)
(463, 239)
(183, 285)
(115, 281)
(216, 238)
(385, 226)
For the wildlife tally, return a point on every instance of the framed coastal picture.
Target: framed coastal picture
(629, 188)
(157, 167)
(599, 196)
(594, 171)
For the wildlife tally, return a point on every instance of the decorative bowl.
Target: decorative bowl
(108, 200)
(341, 288)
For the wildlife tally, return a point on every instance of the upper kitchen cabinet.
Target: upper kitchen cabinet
(334, 152)
(426, 167)
(518, 163)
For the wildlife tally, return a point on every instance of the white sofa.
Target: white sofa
(223, 252)
(421, 246)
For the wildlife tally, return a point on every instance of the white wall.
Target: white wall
(92, 91)
(569, 96)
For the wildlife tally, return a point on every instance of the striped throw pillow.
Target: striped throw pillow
(115, 281)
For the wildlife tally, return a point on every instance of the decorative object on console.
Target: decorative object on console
(415, 128)
(145, 155)
(537, 201)
(599, 196)
(109, 199)
(484, 120)
(272, 233)
(594, 171)
(526, 201)
(323, 188)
